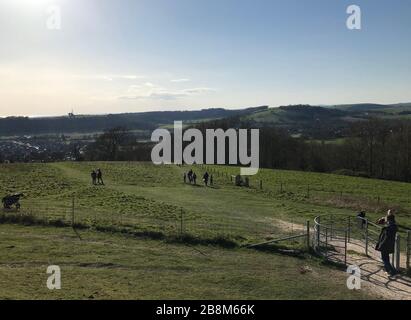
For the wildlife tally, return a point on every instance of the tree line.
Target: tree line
(372, 148)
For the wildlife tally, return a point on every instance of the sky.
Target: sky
(113, 56)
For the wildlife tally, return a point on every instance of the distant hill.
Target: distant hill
(372, 107)
(296, 119)
(332, 121)
(360, 107)
(14, 126)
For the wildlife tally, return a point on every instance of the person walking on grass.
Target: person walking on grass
(386, 242)
(205, 178)
(194, 178)
(100, 177)
(190, 176)
(93, 177)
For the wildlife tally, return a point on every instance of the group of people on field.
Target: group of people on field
(192, 178)
(386, 239)
(97, 177)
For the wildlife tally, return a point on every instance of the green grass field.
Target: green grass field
(105, 266)
(130, 229)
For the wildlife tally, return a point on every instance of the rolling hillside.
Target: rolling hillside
(301, 118)
(147, 235)
(15, 126)
(306, 119)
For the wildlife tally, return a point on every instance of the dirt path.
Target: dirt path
(372, 272)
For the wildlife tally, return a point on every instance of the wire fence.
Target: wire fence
(335, 196)
(178, 223)
(332, 235)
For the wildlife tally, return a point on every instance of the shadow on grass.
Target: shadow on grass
(31, 220)
(299, 251)
(223, 241)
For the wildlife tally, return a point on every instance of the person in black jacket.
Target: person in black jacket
(100, 177)
(362, 218)
(386, 243)
(93, 177)
(205, 178)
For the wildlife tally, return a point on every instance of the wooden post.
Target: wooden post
(349, 229)
(308, 234)
(318, 232)
(72, 211)
(181, 222)
(345, 248)
(397, 253)
(408, 248)
(308, 191)
(366, 237)
(261, 184)
(326, 242)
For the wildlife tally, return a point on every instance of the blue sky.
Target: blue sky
(139, 55)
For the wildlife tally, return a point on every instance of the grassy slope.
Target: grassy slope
(279, 116)
(141, 195)
(105, 266)
(141, 189)
(335, 193)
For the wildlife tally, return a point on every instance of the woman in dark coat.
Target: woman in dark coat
(386, 243)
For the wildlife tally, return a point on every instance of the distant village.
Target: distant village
(42, 148)
(39, 149)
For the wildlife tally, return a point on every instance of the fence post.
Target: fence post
(326, 242)
(318, 233)
(366, 237)
(308, 234)
(397, 252)
(349, 229)
(261, 184)
(72, 211)
(308, 192)
(345, 247)
(181, 222)
(408, 248)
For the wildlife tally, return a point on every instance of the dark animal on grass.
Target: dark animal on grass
(12, 200)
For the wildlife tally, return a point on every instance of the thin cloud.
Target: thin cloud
(150, 91)
(181, 80)
(198, 90)
(110, 77)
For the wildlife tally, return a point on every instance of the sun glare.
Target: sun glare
(31, 2)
